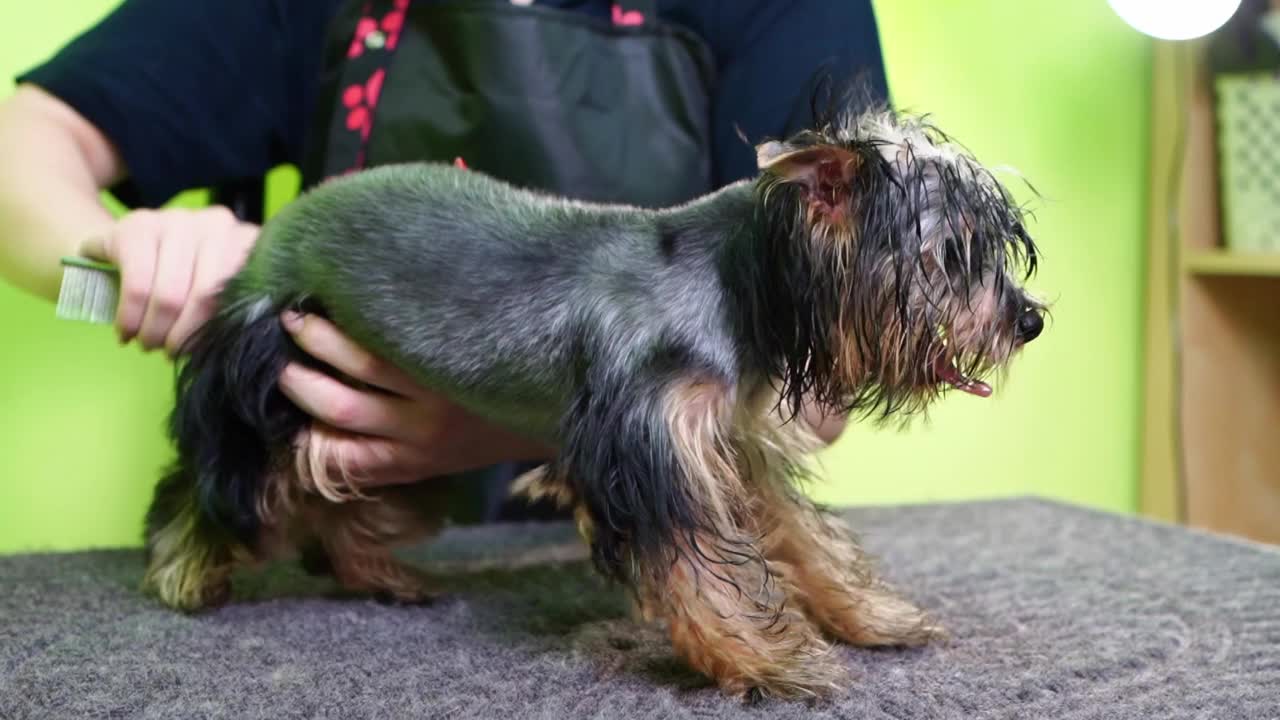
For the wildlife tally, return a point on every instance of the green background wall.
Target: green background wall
(1057, 90)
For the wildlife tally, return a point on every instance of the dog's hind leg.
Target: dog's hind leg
(228, 423)
(188, 560)
(358, 538)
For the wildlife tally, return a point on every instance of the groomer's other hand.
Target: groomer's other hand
(172, 264)
(827, 426)
(397, 432)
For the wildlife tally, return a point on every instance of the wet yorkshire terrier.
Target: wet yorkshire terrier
(665, 354)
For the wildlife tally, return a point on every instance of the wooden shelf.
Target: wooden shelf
(1227, 262)
(1211, 455)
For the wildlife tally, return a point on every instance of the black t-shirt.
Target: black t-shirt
(198, 92)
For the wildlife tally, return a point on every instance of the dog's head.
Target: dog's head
(910, 258)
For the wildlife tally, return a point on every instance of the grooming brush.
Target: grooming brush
(90, 291)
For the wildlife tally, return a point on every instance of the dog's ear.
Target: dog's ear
(824, 171)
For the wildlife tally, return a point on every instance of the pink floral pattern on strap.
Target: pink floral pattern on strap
(360, 101)
(628, 18)
(373, 36)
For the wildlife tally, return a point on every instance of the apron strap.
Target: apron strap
(369, 55)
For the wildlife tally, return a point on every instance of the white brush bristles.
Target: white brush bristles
(88, 295)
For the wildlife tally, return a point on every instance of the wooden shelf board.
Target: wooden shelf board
(1226, 262)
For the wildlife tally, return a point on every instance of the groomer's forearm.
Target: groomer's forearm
(50, 178)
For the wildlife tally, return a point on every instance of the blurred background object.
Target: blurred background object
(1175, 19)
(1212, 429)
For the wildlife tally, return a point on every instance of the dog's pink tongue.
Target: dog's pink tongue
(948, 372)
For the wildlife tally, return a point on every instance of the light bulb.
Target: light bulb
(1175, 19)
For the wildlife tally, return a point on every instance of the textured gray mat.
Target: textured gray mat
(1057, 612)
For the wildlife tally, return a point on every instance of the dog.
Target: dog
(870, 267)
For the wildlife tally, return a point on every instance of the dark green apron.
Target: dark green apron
(545, 98)
(606, 110)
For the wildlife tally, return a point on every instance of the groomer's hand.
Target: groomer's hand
(828, 427)
(397, 432)
(172, 264)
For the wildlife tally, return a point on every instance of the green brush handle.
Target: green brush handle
(90, 264)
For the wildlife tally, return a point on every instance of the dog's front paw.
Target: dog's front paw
(767, 653)
(876, 617)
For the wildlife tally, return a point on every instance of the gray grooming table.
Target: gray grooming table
(1056, 612)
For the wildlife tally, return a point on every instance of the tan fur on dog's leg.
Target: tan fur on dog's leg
(189, 559)
(730, 618)
(186, 571)
(731, 614)
(376, 572)
(359, 536)
(836, 582)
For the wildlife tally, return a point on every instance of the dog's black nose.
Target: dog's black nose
(1029, 325)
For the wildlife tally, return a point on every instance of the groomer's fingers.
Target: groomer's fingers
(131, 247)
(98, 247)
(368, 462)
(201, 301)
(322, 340)
(365, 412)
(223, 252)
(179, 242)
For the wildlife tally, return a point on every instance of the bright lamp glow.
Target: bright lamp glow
(1175, 19)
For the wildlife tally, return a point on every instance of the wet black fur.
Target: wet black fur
(618, 454)
(228, 424)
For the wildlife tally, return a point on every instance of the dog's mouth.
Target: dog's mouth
(946, 371)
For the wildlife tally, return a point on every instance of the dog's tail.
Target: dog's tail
(230, 425)
(230, 419)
